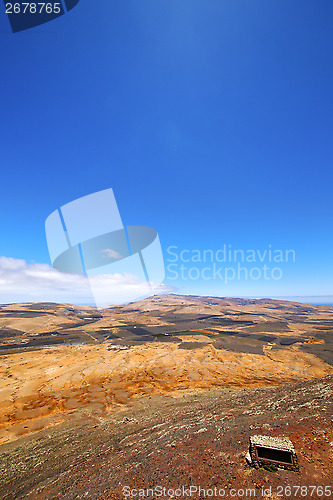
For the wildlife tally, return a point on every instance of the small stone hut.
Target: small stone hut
(273, 451)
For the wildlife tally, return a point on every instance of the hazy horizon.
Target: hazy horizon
(311, 300)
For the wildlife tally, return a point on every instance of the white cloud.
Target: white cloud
(111, 254)
(24, 282)
(11, 264)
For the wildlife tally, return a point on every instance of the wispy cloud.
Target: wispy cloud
(32, 282)
(111, 254)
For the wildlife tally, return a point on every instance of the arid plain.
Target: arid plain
(56, 359)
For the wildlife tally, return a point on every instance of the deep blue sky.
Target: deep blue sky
(212, 121)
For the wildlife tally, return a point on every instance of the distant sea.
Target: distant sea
(318, 300)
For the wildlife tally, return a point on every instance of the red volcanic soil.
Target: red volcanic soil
(194, 439)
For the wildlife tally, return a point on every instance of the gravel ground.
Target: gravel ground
(194, 439)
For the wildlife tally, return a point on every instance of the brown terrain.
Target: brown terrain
(165, 391)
